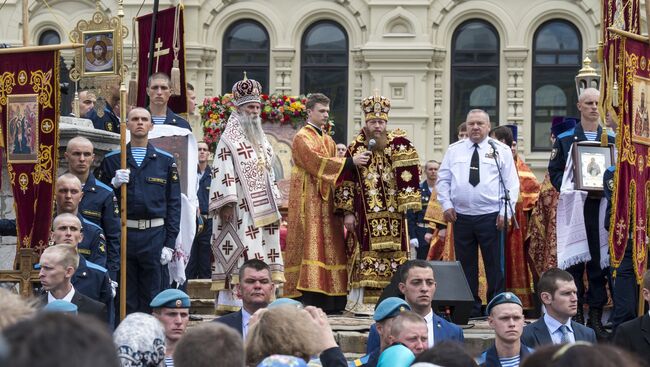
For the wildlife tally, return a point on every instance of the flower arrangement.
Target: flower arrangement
(275, 109)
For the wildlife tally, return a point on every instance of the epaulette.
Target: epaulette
(103, 185)
(456, 143)
(611, 168)
(91, 264)
(361, 361)
(398, 133)
(112, 152)
(163, 152)
(86, 221)
(567, 133)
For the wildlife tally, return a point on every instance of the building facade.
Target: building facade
(435, 59)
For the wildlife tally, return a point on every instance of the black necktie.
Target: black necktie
(474, 176)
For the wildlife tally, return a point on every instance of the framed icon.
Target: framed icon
(590, 160)
(640, 122)
(98, 53)
(22, 122)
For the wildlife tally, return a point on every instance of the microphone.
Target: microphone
(371, 144)
(493, 145)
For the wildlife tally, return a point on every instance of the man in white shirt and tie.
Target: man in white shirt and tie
(472, 198)
(559, 294)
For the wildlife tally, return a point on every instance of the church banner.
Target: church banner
(163, 54)
(631, 196)
(29, 110)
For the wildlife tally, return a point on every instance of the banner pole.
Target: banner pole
(152, 42)
(123, 102)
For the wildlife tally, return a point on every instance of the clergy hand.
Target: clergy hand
(450, 215)
(442, 234)
(361, 159)
(428, 237)
(349, 222)
(500, 222)
(227, 213)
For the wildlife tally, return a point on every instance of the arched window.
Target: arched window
(557, 50)
(49, 37)
(474, 72)
(324, 69)
(245, 48)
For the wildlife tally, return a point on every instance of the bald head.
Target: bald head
(78, 141)
(589, 92)
(66, 228)
(68, 193)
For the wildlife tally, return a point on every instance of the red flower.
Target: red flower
(265, 97)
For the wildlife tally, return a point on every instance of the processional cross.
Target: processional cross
(159, 51)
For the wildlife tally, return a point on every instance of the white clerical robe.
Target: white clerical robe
(242, 178)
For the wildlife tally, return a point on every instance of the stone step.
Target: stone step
(200, 289)
(203, 306)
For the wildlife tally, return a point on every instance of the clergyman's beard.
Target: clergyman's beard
(252, 126)
(381, 139)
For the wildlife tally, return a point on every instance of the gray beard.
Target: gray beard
(252, 127)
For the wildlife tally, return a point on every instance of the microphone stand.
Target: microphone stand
(507, 203)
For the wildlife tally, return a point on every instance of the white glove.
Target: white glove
(121, 177)
(166, 255)
(114, 288)
(415, 243)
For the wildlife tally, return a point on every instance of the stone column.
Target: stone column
(515, 67)
(283, 59)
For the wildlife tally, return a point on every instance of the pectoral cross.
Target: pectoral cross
(159, 51)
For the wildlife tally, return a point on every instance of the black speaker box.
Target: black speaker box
(453, 298)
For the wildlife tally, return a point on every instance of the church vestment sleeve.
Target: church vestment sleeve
(529, 187)
(223, 190)
(406, 167)
(311, 153)
(434, 214)
(344, 193)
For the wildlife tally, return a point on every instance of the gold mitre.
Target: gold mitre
(376, 107)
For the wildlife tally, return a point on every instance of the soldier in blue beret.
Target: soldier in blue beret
(506, 317)
(60, 305)
(386, 310)
(172, 308)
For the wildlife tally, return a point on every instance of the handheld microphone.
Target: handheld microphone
(371, 144)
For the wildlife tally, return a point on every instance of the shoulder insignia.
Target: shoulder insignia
(164, 152)
(92, 265)
(112, 153)
(553, 153)
(102, 248)
(610, 184)
(109, 126)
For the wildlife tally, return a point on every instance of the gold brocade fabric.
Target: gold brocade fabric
(379, 195)
(314, 257)
(542, 231)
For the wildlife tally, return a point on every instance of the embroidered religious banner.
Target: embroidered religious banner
(631, 188)
(29, 110)
(623, 15)
(169, 45)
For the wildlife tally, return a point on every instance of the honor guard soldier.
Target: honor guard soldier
(159, 91)
(153, 210)
(199, 266)
(98, 203)
(68, 195)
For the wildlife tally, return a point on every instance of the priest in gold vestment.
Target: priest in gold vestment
(315, 256)
(375, 198)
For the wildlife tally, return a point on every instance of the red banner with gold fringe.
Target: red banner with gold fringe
(29, 110)
(631, 194)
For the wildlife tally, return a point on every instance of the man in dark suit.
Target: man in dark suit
(558, 292)
(255, 289)
(58, 265)
(634, 335)
(418, 285)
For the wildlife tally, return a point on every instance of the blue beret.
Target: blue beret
(562, 124)
(501, 298)
(171, 298)
(396, 355)
(285, 301)
(513, 128)
(390, 307)
(60, 305)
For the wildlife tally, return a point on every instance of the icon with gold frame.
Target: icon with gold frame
(98, 53)
(22, 125)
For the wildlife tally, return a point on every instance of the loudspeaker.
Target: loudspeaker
(453, 298)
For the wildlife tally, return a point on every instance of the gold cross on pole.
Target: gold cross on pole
(159, 51)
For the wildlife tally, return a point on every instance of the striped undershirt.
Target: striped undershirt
(591, 135)
(510, 361)
(138, 154)
(169, 361)
(158, 119)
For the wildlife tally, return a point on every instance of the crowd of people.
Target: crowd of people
(358, 217)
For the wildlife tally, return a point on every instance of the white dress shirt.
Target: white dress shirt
(429, 319)
(454, 189)
(245, 318)
(67, 297)
(554, 329)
